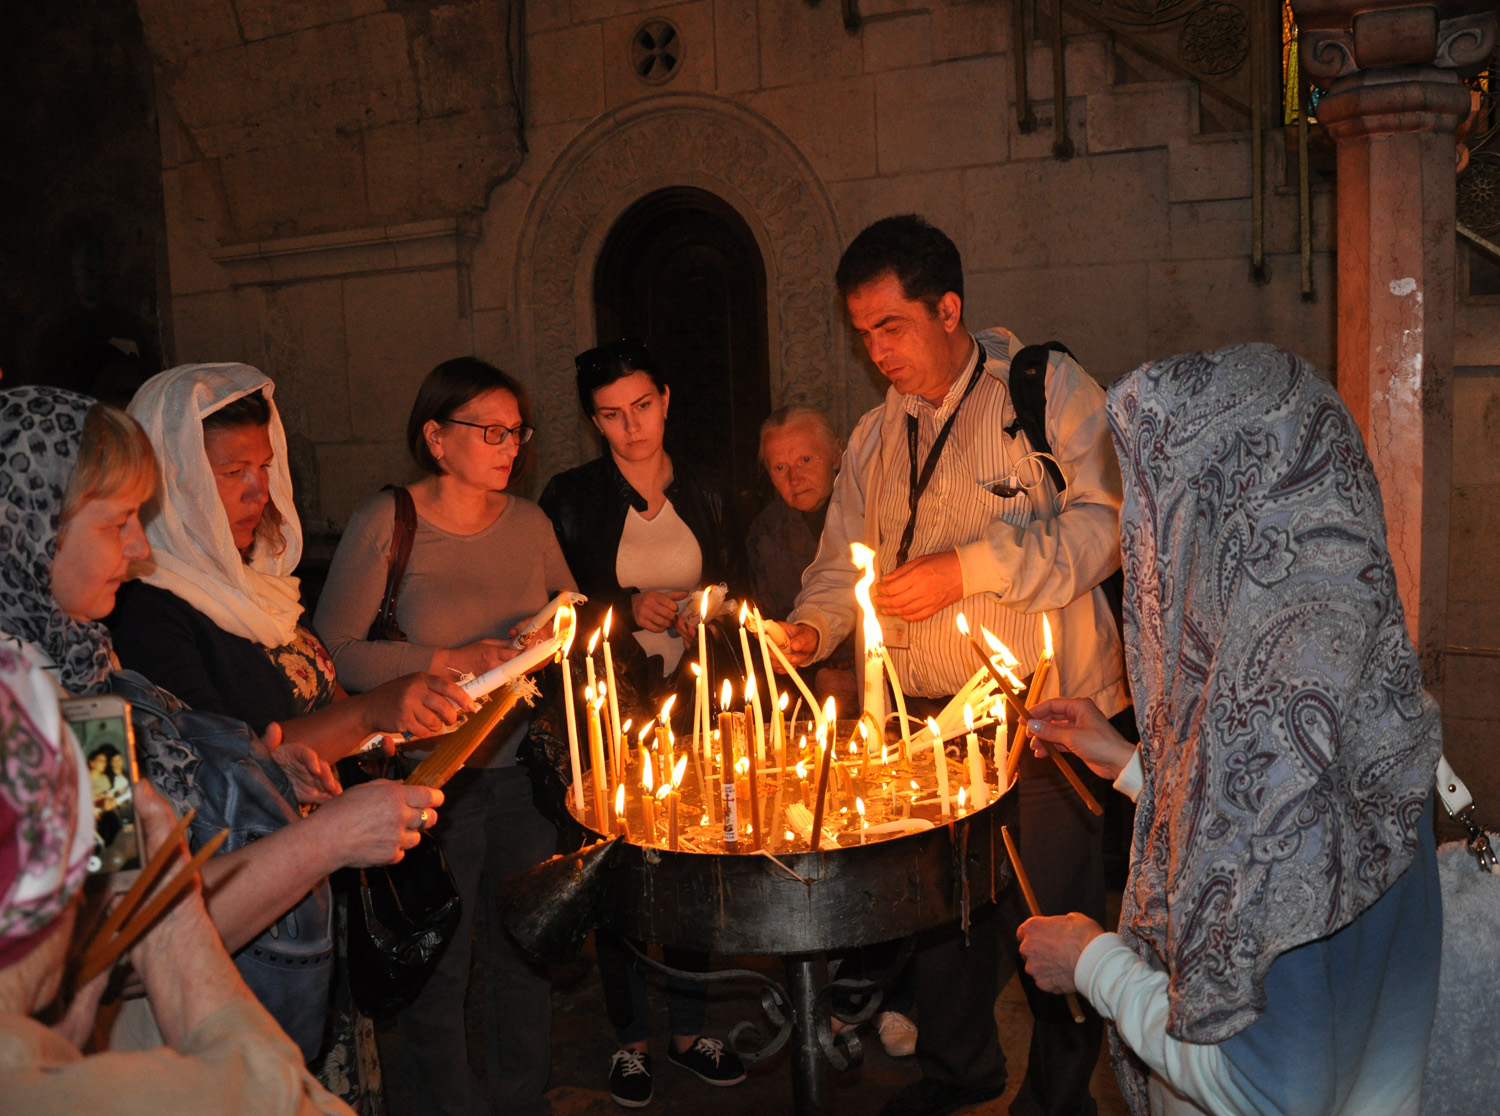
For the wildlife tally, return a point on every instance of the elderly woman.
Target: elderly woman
(223, 1053)
(482, 561)
(70, 525)
(216, 615)
(1281, 927)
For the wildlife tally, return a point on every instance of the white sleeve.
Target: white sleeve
(1127, 990)
(1131, 778)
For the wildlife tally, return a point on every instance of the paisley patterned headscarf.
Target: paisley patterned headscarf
(46, 826)
(1287, 743)
(41, 429)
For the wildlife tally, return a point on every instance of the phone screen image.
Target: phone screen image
(109, 750)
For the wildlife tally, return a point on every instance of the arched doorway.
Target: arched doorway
(681, 270)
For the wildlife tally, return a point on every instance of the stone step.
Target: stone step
(1142, 114)
(1090, 61)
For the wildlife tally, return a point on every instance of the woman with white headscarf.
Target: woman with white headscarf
(1281, 928)
(216, 615)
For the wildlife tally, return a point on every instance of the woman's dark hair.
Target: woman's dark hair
(248, 410)
(601, 367)
(921, 257)
(252, 410)
(447, 388)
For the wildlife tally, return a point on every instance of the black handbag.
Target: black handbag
(401, 918)
(384, 626)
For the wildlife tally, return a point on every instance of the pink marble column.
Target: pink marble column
(1392, 106)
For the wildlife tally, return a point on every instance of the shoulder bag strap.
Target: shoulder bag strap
(405, 530)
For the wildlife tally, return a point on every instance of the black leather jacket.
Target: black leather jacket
(588, 505)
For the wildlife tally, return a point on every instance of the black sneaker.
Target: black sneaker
(927, 1097)
(710, 1061)
(630, 1078)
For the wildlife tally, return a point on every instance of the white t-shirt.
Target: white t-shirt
(660, 553)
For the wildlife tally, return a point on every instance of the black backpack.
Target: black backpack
(1028, 396)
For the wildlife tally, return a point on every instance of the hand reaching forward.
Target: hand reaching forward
(656, 611)
(421, 704)
(1052, 946)
(1076, 725)
(376, 822)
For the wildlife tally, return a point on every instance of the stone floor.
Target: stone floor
(582, 1043)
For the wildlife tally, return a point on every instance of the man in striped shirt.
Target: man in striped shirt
(963, 518)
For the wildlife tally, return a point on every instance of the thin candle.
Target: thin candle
(781, 729)
(752, 709)
(700, 691)
(776, 701)
(890, 668)
(726, 768)
(609, 678)
(620, 822)
(859, 806)
(994, 671)
(755, 830)
(816, 840)
(676, 786)
(648, 800)
(864, 559)
(791, 672)
(575, 765)
(978, 789)
(596, 762)
(940, 761)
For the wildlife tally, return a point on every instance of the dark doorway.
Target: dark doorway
(681, 270)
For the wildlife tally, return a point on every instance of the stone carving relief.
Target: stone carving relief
(688, 140)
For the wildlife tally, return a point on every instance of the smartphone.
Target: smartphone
(102, 727)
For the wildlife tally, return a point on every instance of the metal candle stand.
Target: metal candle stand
(799, 910)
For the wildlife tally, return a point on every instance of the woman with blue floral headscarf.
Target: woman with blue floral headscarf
(1281, 928)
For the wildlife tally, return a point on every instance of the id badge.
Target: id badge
(894, 631)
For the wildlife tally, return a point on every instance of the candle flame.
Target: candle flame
(784, 702)
(641, 736)
(750, 690)
(853, 747)
(968, 717)
(963, 623)
(608, 619)
(864, 559)
(1046, 636)
(565, 627)
(647, 775)
(999, 712)
(859, 805)
(677, 771)
(666, 709)
(830, 711)
(588, 694)
(593, 641)
(664, 790)
(997, 647)
(620, 799)
(914, 785)
(697, 673)
(625, 728)
(960, 798)
(937, 733)
(703, 608)
(802, 769)
(744, 612)
(742, 765)
(864, 733)
(726, 694)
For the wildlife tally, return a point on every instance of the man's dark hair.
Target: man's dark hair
(604, 365)
(921, 257)
(447, 388)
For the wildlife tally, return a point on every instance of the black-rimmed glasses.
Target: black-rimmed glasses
(497, 435)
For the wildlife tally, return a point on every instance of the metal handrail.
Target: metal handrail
(1475, 652)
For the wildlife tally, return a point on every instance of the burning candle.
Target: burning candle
(1011, 691)
(726, 768)
(596, 761)
(977, 787)
(575, 764)
(791, 672)
(781, 729)
(776, 702)
(820, 795)
(700, 689)
(609, 678)
(752, 709)
(588, 661)
(890, 669)
(802, 780)
(677, 769)
(648, 799)
(864, 559)
(620, 822)
(962, 809)
(940, 761)
(755, 830)
(859, 806)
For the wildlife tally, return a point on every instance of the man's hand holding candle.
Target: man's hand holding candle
(922, 587)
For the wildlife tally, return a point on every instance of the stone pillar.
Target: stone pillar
(1393, 104)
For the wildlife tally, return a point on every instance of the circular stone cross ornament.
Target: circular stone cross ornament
(656, 51)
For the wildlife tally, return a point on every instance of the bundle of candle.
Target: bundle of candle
(459, 745)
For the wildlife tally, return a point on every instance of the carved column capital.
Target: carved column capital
(1337, 38)
(1394, 99)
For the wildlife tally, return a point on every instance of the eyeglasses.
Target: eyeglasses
(497, 435)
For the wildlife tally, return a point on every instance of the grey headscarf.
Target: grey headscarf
(1287, 743)
(41, 429)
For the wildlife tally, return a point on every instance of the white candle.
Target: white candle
(977, 787)
(702, 689)
(775, 702)
(940, 761)
(573, 757)
(864, 559)
(609, 680)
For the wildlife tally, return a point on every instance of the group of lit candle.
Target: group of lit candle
(751, 740)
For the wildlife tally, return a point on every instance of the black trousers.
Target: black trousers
(1060, 843)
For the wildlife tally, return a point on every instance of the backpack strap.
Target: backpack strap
(384, 626)
(1028, 397)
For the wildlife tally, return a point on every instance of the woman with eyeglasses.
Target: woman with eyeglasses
(482, 561)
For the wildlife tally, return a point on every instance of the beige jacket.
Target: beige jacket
(1053, 564)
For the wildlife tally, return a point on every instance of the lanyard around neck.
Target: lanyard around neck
(920, 481)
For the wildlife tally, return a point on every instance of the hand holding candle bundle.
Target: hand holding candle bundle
(1023, 881)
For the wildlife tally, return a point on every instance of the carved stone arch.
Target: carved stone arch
(678, 140)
